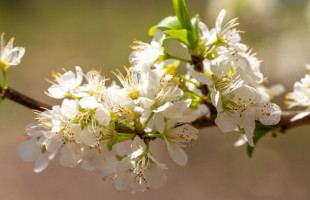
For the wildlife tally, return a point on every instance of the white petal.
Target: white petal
(247, 121)
(56, 91)
(158, 38)
(108, 166)
(216, 100)
(163, 107)
(68, 80)
(71, 155)
(276, 90)
(123, 174)
(186, 132)
(79, 76)
(177, 154)
(300, 116)
(225, 122)
(241, 141)
(159, 122)
(219, 20)
(41, 163)
(69, 108)
(103, 116)
(29, 150)
(122, 180)
(249, 130)
(33, 130)
(54, 143)
(200, 77)
(156, 177)
(138, 144)
(92, 159)
(89, 102)
(119, 149)
(189, 115)
(87, 137)
(269, 113)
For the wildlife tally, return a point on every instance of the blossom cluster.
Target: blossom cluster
(232, 74)
(152, 101)
(300, 97)
(94, 120)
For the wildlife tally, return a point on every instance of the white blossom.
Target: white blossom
(34, 149)
(153, 101)
(175, 136)
(224, 33)
(9, 55)
(145, 54)
(271, 92)
(140, 169)
(300, 97)
(66, 84)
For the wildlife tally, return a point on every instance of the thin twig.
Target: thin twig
(24, 100)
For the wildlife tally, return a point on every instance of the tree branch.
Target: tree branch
(200, 123)
(283, 125)
(24, 100)
(197, 61)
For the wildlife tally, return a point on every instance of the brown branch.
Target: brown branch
(286, 124)
(283, 125)
(24, 100)
(197, 61)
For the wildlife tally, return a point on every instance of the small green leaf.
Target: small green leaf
(196, 28)
(209, 97)
(260, 131)
(170, 22)
(110, 146)
(185, 21)
(118, 157)
(181, 35)
(182, 14)
(43, 149)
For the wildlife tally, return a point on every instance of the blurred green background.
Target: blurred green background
(94, 33)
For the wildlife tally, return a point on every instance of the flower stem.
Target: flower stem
(190, 81)
(147, 142)
(125, 136)
(177, 58)
(138, 124)
(195, 95)
(2, 86)
(148, 120)
(154, 134)
(125, 123)
(5, 80)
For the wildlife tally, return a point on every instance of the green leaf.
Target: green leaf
(170, 22)
(196, 28)
(182, 14)
(43, 149)
(185, 21)
(260, 131)
(118, 157)
(181, 35)
(110, 146)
